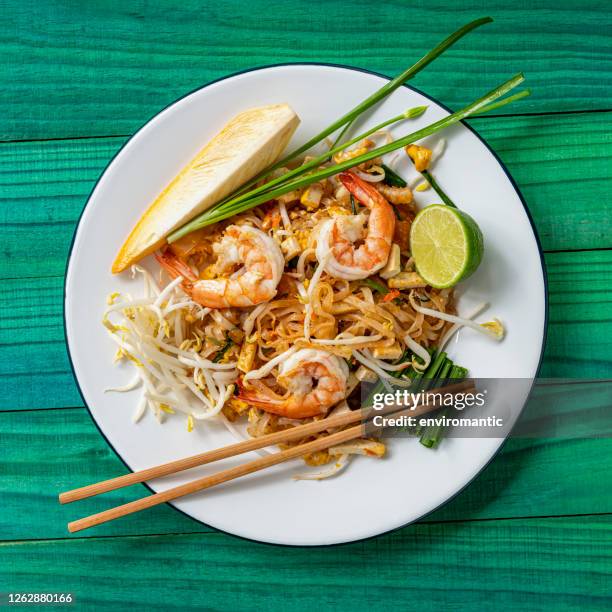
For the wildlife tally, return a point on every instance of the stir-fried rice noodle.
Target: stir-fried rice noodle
(191, 360)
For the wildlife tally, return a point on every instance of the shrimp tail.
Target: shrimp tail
(259, 395)
(363, 191)
(176, 267)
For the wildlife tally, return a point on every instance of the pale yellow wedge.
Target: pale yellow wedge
(247, 144)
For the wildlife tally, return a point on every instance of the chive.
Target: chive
(315, 162)
(458, 372)
(445, 371)
(435, 366)
(385, 90)
(353, 205)
(413, 113)
(372, 284)
(344, 130)
(438, 189)
(229, 209)
(428, 437)
(221, 352)
(432, 435)
(347, 119)
(512, 98)
(393, 178)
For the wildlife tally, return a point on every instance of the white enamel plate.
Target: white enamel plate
(371, 496)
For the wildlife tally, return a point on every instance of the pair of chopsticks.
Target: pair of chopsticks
(342, 420)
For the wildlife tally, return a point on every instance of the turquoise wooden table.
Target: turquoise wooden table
(534, 531)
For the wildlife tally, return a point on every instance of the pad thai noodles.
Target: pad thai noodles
(275, 316)
(283, 284)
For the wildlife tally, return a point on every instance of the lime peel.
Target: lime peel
(446, 244)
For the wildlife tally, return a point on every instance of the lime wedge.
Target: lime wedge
(446, 244)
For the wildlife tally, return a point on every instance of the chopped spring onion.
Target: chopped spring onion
(393, 178)
(372, 284)
(221, 353)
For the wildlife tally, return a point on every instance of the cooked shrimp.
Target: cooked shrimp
(337, 237)
(315, 380)
(396, 195)
(252, 283)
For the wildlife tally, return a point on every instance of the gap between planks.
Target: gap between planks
(215, 532)
(485, 117)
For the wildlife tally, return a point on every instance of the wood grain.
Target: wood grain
(507, 564)
(562, 163)
(119, 63)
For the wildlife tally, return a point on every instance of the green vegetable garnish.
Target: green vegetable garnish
(432, 435)
(347, 119)
(372, 284)
(385, 90)
(437, 188)
(413, 113)
(221, 352)
(315, 162)
(393, 178)
(229, 209)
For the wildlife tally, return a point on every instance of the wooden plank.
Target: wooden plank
(45, 452)
(44, 186)
(579, 343)
(560, 564)
(33, 357)
(113, 66)
(34, 369)
(559, 163)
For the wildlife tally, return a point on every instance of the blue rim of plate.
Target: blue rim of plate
(501, 165)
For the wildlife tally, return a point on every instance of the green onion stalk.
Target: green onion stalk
(411, 113)
(376, 97)
(389, 174)
(231, 208)
(382, 93)
(436, 187)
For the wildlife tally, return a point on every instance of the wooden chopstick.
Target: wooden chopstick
(215, 479)
(231, 450)
(250, 467)
(209, 456)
